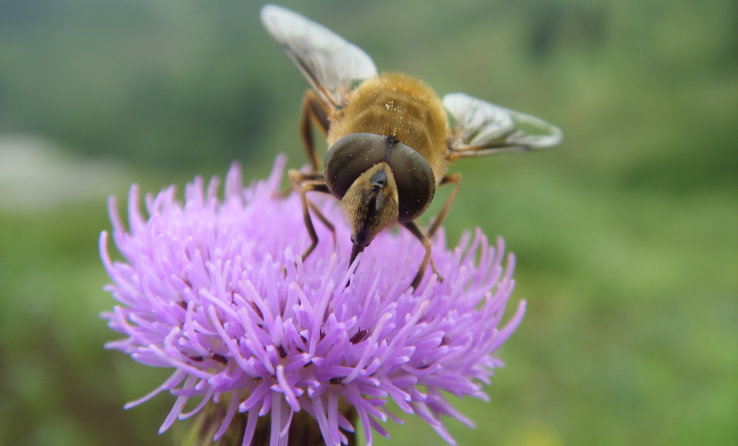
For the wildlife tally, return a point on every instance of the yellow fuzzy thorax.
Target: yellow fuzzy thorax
(398, 105)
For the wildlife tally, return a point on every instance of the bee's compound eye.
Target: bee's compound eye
(351, 156)
(416, 184)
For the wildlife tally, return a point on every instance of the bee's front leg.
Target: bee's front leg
(420, 235)
(454, 178)
(302, 183)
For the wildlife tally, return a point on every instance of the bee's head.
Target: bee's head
(380, 181)
(370, 205)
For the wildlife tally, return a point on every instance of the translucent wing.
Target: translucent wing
(479, 127)
(329, 63)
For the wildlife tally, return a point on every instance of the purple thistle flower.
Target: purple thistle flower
(215, 289)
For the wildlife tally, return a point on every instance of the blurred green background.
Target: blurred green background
(626, 235)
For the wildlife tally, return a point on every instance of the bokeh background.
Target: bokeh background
(626, 235)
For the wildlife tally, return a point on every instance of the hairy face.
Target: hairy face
(371, 204)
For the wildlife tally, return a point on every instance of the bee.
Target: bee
(390, 137)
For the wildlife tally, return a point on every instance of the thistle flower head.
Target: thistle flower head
(215, 290)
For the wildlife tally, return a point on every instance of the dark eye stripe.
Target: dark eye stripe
(353, 154)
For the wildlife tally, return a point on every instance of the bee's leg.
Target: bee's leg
(456, 180)
(425, 239)
(420, 235)
(315, 110)
(303, 183)
(318, 213)
(284, 193)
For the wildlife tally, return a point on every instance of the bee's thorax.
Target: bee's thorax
(402, 107)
